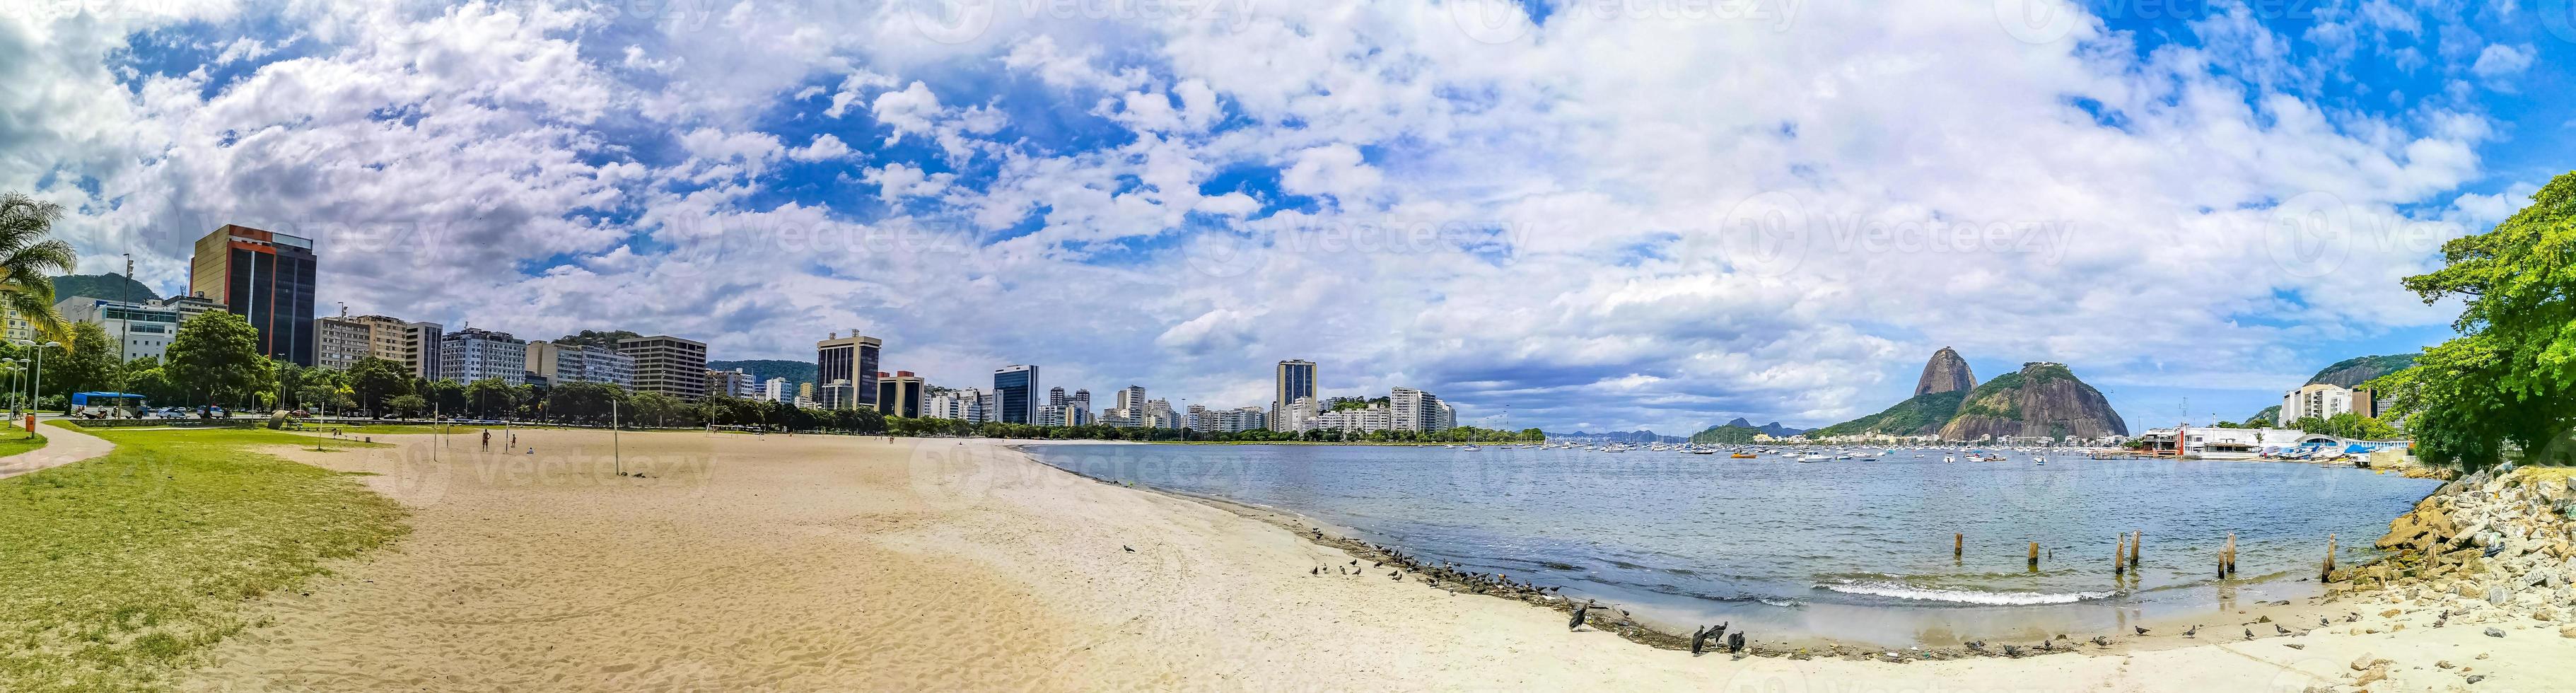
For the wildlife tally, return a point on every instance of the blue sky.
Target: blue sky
(1614, 216)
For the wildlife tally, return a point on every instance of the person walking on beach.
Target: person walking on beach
(487, 439)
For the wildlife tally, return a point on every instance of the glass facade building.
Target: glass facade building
(267, 278)
(1015, 390)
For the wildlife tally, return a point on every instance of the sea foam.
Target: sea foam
(1897, 591)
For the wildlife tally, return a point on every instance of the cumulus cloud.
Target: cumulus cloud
(1577, 225)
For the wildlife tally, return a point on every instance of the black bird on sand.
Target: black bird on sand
(1699, 637)
(2141, 631)
(2322, 622)
(1130, 549)
(1721, 630)
(1735, 642)
(2102, 641)
(1580, 611)
(2280, 630)
(2193, 632)
(2249, 633)
(2010, 651)
(1317, 570)
(1395, 575)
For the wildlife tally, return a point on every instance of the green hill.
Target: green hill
(1920, 416)
(1725, 435)
(110, 286)
(761, 370)
(2352, 372)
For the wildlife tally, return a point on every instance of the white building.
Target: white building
(774, 390)
(580, 363)
(1238, 420)
(1375, 417)
(145, 328)
(1422, 412)
(2321, 400)
(473, 354)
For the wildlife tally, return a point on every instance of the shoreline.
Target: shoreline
(2227, 622)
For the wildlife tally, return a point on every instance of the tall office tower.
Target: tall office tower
(1015, 390)
(1081, 399)
(1132, 398)
(900, 394)
(1291, 380)
(852, 358)
(267, 278)
(668, 365)
(1055, 397)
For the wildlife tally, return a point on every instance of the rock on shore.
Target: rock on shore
(2489, 547)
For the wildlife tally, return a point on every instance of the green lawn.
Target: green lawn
(16, 441)
(399, 429)
(117, 572)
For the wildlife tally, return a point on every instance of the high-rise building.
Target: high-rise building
(732, 383)
(1291, 380)
(473, 354)
(804, 394)
(267, 278)
(340, 341)
(900, 394)
(190, 307)
(146, 328)
(580, 363)
(1227, 420)
(774, 390)
(1015, 390)
(852, 358)
(668, 365)
(1131, 398)
(2319, 400)
(1415, 410)
(1056, 397)
(1081, 399)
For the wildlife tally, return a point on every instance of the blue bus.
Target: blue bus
(102, 405)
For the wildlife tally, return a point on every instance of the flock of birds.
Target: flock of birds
(1448, 575)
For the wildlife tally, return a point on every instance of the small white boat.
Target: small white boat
(1812, 458)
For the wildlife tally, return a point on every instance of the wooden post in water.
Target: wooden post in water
(2227, 558)
(2137, 540)
(2330, 550)
(1958, 545)
(2034, 555)
(2120, 556)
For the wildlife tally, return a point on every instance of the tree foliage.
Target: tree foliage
(93, 362)
(2509, 380)
(216, 354)
(29, 259)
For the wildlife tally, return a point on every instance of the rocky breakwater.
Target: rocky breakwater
(2490, 548)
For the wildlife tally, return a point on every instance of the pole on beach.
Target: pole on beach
(616, 455)
(2034, 555)
(2227, 558)
(1958, 545)
(2322, 576)
(2120, 556)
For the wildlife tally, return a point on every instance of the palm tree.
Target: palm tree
(29, 260)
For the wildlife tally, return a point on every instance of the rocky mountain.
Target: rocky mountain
(1921, 416)
(1946, 372)
(110, 286)
(1742, 430)
(2269, 416)
(2041, 399)
(2352, 372)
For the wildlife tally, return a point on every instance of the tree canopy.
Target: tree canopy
(217, 354)
(2509, 379)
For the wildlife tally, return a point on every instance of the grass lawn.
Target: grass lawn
(16, 441)
(117, 572)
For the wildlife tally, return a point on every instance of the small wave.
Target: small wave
(1896, 591)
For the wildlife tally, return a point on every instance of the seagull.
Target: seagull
(1579, 612)
(1735, 642)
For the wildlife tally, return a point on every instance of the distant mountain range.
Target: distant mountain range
(110, 286)
(761, 370)
(2041, 399)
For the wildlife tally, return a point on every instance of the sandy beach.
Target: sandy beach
(739, 562)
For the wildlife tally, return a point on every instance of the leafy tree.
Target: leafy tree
(29, 259)
(607, 338)
(145, 377)
(2509, 379)
(490, 397)
(375, 380)
(217, 354)
(408, 405)
(93, 362)
(583, 401)
(446, 397)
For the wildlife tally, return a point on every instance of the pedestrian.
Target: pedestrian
(487, 439)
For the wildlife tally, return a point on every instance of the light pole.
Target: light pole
(36, 382)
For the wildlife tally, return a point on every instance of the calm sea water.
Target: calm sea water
(1848, 550)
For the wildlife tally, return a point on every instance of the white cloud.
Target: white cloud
(2500, 61)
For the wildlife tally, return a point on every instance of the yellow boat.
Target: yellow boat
(1741, 456)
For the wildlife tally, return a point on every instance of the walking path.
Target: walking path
(63, 446)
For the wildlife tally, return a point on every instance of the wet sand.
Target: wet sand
(837, 563)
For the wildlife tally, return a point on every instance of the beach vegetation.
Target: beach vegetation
(2507, 384)
(120, 571)
(30, 257)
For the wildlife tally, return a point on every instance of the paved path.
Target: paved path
(63, 446)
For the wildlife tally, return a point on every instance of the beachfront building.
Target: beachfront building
(1290, 380)
(473, 354)
(267, 278)
(1228, 420)
(732, 383)
(1421, 412)
(1015, 389)
(342, 340)
(2223, 443)
(1300, 416)
(774, 390)
(963, 405)
(838, 394)
(668, 365)
(1374, 417)
(580, 363)
(145, 328)
(900, 394)
(854, 359)
(2320, 400)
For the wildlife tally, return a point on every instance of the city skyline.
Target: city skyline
(1191, 222)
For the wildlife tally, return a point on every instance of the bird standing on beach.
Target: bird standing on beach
(2249, 633)
(2141, 631)
(2194, 632)
(1721, 630)
(1130, 549)
(2276, 628)
(1580, 611)
(1699, 637)
(2322, 622)
(1735, 642)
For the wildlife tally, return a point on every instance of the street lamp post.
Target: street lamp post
(36, 381)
